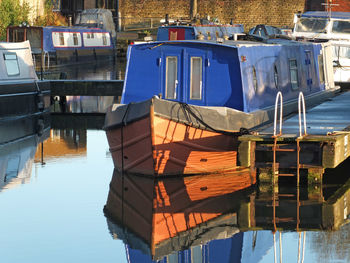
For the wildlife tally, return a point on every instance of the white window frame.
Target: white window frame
(200, 76)
(174, 96)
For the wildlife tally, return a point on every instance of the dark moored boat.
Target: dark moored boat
(24, 106)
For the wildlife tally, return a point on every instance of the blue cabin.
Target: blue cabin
(58, 43)
(243, 75)
(53, 38)
(185, 32)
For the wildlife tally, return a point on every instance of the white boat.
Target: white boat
(328, 26)
(24, 105)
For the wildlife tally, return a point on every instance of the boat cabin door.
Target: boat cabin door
(184, 77)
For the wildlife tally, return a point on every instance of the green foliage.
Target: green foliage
(50, 18)
(12, 12)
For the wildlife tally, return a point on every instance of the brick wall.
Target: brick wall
(316, 5)
(246, 12)
(343, 5)
(89, 4)
(253, 12)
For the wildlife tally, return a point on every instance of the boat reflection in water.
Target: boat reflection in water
(173, 214)
(66, 143)
(17, 158)
(88, 104)
(222, 217)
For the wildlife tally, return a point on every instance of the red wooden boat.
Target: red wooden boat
(159, 137)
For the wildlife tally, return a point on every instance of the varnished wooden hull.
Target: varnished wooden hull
(160, 146)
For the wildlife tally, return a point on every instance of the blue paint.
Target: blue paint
(227, 71)
(227, 250)
(48, 42)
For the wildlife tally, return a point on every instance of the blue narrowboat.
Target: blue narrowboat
(64, 44)
(186, 100)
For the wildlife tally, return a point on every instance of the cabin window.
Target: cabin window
(11, 63)
(275, 76)
(75, 39)
(321, 68)
(255, 80)
(342, 27)
(341, 52)
(104, 39)
(61, 37)
(315, 25)
(196, 78)
(293, 68)
(90, 35)
(171, 78)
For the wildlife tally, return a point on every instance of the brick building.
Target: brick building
(247, 12)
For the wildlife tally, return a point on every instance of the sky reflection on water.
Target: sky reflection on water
(56, 215)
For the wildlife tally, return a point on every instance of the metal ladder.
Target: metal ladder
(301, 110)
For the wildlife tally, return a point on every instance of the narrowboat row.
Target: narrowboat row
(24, 106)
(186, 102)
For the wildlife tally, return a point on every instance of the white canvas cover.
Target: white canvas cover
(16, 62)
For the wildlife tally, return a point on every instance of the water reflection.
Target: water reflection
(17, 158)
(223, 218)
(64, 143)
(173, 214)
(97, 70)
(88, 104)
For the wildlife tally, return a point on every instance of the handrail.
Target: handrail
(301, 100)
(279, 97)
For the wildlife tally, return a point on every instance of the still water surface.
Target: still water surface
(52, 199)
(53, 212)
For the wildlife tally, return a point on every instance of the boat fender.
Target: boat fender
(40, 101)
(39, 98)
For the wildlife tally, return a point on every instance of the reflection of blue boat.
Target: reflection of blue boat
(243, 247)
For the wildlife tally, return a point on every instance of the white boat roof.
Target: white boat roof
(16, 62)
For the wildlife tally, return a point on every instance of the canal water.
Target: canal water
(62, 201)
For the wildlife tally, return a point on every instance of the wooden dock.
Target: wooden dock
(326, 144)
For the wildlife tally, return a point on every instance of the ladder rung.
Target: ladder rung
(285, 219)
(286, 195)
(285, 150)
(286, 174)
